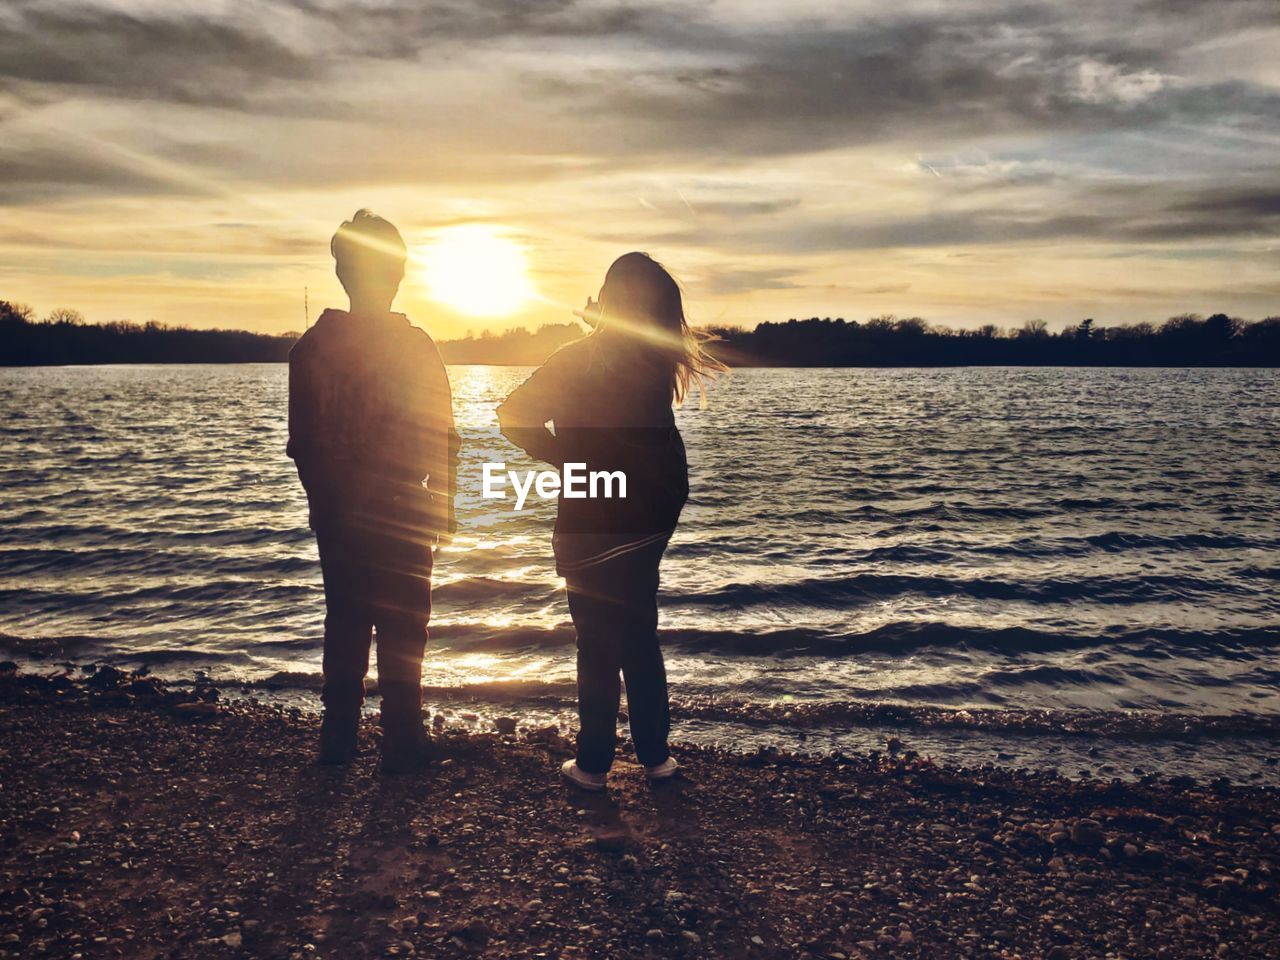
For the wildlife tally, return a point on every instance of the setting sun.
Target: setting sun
(477, 270)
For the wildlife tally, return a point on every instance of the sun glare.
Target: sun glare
(477, 270)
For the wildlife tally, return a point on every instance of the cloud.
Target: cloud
(405, 28)
(691, 77)
(770, 149)
(1098, 82)
(1262, 201)
(719, 281)
(35, 175)
(181, 55)
(953, 72)
(1097, 213)
(260, 56)
(633, 86)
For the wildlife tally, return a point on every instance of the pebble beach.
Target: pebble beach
(143, 821)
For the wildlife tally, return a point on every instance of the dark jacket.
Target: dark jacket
(610, 416)
(371, 419)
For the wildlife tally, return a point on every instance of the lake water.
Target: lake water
(1085, 561)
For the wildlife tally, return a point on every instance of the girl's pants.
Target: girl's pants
(614, 606)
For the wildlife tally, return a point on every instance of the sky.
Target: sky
(968, 162)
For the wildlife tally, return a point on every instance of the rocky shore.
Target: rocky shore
(142, 821)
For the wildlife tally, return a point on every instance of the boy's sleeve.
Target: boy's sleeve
(300, 412)
(442, 444)
(290, 449)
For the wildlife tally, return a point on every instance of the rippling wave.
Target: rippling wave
(1028, 547)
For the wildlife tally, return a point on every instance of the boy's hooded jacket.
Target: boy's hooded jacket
(371, 420)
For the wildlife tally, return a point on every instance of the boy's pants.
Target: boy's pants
(375, 577)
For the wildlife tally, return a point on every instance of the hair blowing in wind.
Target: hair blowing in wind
(642, 301)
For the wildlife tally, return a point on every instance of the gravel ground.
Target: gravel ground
(138, 821)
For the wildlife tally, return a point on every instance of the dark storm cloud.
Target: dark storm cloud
(1148, 214)
(404, 29)
(745, 208)
(794, 93)
(189, 53)
(725, 280)
(29, 176)
(942, 76)
(1225, 213)
(1261, 202)
(187, 57)
(1225, 13)
(762, 86)
(643, 86)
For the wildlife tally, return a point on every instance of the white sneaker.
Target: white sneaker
(580, 778)
(665, 770)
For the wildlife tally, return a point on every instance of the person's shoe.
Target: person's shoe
(406, 746)
(338, 738)
(665, 770)
(595, 782)
(405, 754)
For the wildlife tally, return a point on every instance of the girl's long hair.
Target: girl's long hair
(641, 304)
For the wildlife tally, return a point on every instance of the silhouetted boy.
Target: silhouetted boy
(371, 431)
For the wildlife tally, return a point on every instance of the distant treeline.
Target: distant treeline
(64, 338)
(518, 347)
(1182, 341)
(1187, 340)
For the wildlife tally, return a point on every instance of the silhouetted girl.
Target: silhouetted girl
(608, 398)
